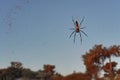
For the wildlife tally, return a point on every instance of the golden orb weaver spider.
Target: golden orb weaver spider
(77, 29)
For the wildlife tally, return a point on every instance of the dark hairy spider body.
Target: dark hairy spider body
(77, 29)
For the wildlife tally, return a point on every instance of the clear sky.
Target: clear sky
(36, 32)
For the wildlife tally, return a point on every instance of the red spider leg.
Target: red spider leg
(74, 37)
(71, 34)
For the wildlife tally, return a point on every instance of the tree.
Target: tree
(92, 60)
(28, 73)
(47, 72)
(95, 58)
(77, 76)
(14, 72)
(113, 51)
(106, 67)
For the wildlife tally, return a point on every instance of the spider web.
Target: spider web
(13, 12)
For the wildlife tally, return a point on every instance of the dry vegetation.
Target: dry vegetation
(95, 60)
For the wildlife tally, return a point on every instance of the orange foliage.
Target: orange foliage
(95, 58)
(56, 77)
(106, 67)
(49, 68)
(77, 76)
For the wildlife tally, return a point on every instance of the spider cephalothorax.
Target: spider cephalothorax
(77, 29)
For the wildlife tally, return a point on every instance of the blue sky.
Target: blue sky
(36, 32)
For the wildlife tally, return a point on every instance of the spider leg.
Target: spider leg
(80, 37)
(82, 27)
(74, 37)
(84, 33)
(81, 21)
(73, 20)
(71, 34)
(72, 28)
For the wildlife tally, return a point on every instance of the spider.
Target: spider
(77, 29)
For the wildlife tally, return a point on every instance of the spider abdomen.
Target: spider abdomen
(77, 30)
(77, 26)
